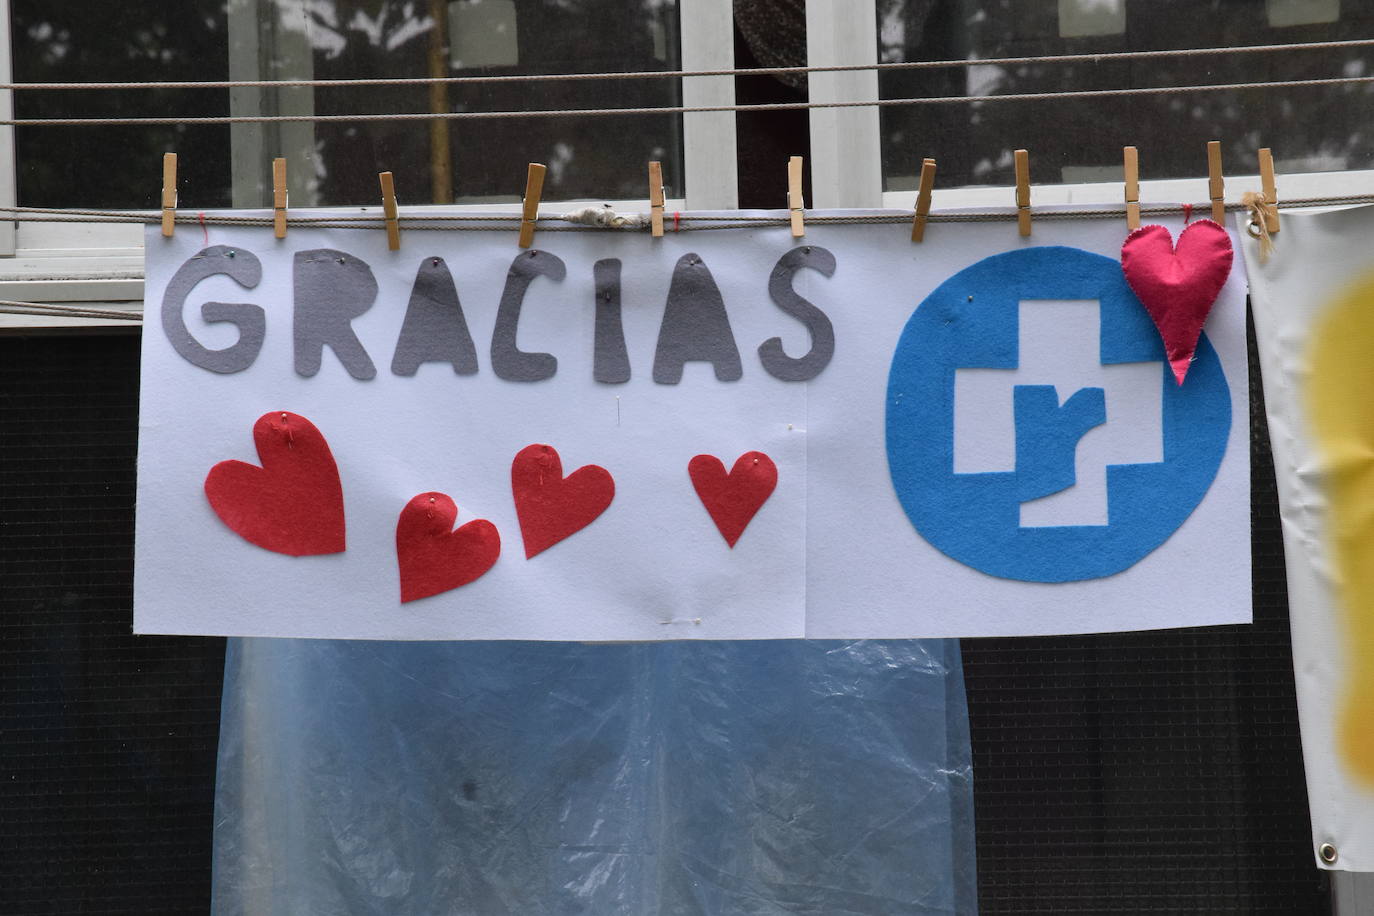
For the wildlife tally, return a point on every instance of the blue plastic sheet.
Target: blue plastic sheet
(551, 778)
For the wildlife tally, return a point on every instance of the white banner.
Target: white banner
(715, 435)
(1313, 302)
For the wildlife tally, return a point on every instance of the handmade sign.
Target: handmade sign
(716, 434)
(1314, 320)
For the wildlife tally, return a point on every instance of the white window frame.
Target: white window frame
(100, 265)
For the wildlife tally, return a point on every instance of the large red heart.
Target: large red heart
(734, 498)
(550, 506)
(293, 503)
(1178, 284)
(434, 558)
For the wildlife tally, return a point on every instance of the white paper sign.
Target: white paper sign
(778, 442)
(1314, 320)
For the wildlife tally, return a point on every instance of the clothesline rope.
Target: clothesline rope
(57, 310)
(502, 222)
(484, 224)
(678, 109)
(886, 66)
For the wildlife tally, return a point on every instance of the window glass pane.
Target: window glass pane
(337, 163)
(88, 41)
(589, 157)
(1077, 140)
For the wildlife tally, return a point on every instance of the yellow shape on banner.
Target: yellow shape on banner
(1340, 401)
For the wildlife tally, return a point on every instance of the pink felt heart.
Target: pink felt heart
(1178, 284)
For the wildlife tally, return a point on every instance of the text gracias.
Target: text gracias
(331, 288)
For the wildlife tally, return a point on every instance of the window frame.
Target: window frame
(846, 144)
(100, 265)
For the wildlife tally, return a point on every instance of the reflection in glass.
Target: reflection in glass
(1311, 129)
(337, 163)
(90, 41)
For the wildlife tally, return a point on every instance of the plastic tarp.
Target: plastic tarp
(552, 778)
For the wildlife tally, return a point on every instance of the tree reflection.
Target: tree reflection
(592, 157)
(118, 166)
(1081, 139)
(333, 39)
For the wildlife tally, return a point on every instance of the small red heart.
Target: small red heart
(434, 558)
(550, 506)
(1178, 285)
(293, 503)
(734, 498)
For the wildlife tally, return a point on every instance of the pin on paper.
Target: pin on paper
(1215, 184)
(390, 212)
(794, 196)
(923, 191)
(1131, 167)
(169, 194)
(1023, 211)
(279, 198)
(656, 199)
(534, 188)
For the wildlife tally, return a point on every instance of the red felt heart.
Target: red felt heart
(1178, 284)
(293, 503)
(734, 498)
(550, 506)
(434, 558)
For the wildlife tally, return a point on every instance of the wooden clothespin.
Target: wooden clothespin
(794, 196)
(390, 211)
(169, 194)
(1023, 211)
(918, 223)
(1215, 185)
(1131, 165)
(656, 199)
(1270, 189)
(279, 198)
(534, 188)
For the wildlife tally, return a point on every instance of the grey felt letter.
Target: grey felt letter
(695, 326)
(771, 354)
(507, 360)
(245, 270)
(434, 329)
(331, 289)
(610, 362)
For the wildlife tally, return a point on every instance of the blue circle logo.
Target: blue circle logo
(1034, 429)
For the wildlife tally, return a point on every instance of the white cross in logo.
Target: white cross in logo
(1059, 345)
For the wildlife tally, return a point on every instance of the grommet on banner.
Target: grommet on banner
(169, 194)
(656, 199)
(1270, 189)
(390, 211)
(927, 183)
(1131, 167)
(795, 204)
(1023, 211)
(1216, 186)
(279, 198)
(534, 188)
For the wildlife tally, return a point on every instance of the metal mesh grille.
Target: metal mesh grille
(107, 742)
